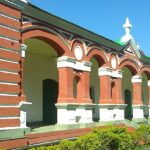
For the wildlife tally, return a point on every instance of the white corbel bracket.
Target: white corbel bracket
(23, 50)
(105, 71)
(69, 62)
(25, 104)
(23, 109)
(136, 79)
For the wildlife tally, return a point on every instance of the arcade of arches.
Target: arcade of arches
(55, 72)
(59, 85)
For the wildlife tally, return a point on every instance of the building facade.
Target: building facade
(55, 72)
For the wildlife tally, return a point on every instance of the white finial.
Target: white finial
(137, 46)
(127, 26)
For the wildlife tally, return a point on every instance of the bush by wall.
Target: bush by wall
(111, 138)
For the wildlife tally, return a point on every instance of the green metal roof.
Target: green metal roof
(34, 11)
(119, 42)
(48, 18)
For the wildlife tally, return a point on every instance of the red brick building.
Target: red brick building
(55, 72)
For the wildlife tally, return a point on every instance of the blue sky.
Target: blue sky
(105, 17)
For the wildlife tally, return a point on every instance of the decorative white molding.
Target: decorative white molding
(23, 50)
(111, 112)
(11, 72)
(9, 106)
(9, 28)
(84, 115)
(23, 107)
(10, 61)
(78, 52)
(65, 32)
(9, 118)
(104, 71)
(8, 83)
(114, 63)
(9, 50)
(74, 113)
(10, 128)
(65, 61)
(8, 39)
(8, 94)
(136, 79)
(4, 15)
(26, 104)
(138, 112)
(69, 62)
(69, 111)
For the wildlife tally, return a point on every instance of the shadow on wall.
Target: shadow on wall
(128, 108)
(95, 111)
(50, 95)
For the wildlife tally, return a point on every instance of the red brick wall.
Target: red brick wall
(9, 66)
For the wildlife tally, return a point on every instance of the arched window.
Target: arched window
(76, 86)
(113, 91)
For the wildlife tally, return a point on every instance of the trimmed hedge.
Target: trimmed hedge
(111, 138)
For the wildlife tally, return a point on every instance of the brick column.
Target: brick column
(119, 99)
(110, 109)
(66, 102)
(22, 53)
(148, 84)
(138, 108)
(11, 68)
(75, 111)
(105, 90)
(137, 91)
(84, 89)
(105, 85)
(65, 85)
(24, 105)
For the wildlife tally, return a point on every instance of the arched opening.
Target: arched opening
(97, 62)
(50, 95)
(128, 101)
(145, 94)
(127, 92)
(94, 82)
(40, 81)
(113, 91)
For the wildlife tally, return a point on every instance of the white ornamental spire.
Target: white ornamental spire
(127, 26)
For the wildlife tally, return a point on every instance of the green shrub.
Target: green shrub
(124, 138)
(55, 147)
(109, 140)
(136, 138)
(39, 148)
(144, 133)
(88, 142)
(66, 145)
(125, 141)
(117, 130)
(114, 138)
